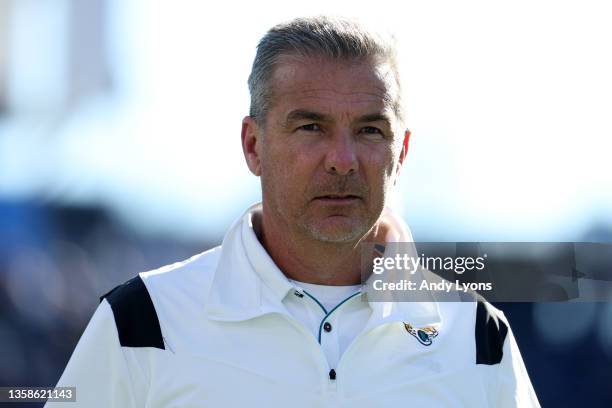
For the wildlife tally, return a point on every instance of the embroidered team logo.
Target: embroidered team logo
(425, 335)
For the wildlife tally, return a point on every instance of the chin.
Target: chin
(349, 232)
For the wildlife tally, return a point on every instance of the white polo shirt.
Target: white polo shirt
(226, 328)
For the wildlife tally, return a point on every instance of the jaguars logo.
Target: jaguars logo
(425, 335)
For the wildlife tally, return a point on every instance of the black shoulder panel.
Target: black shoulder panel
(490, 334)
(135, 315)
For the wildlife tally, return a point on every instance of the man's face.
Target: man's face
(329, 152)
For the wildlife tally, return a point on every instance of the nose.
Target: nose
(341, 158)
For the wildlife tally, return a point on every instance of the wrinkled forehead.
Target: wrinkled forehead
(360, 84)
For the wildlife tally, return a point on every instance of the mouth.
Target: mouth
(338, 198)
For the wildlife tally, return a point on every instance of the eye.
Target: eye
(311, 127)
(370, 130)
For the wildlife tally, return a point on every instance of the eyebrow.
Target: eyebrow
(374, 117)
(301, 114)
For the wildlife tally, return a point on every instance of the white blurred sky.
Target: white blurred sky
(509, 104)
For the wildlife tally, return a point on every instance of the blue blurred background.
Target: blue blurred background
(120, 152)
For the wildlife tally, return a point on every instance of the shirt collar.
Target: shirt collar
(247, 283)
(416, 313)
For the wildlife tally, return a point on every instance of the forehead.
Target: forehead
(329, 84)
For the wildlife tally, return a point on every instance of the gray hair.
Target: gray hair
(321, 36)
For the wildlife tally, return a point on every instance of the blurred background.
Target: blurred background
(120, 152)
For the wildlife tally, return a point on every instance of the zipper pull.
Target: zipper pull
(332, 374)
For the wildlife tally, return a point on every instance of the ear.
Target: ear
(251, 144)
(403, 153)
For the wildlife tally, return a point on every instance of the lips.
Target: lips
(337, 199)
(337, 196)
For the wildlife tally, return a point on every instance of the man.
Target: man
(273, 316)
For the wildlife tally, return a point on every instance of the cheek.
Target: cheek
(380, 165)
(283, 171)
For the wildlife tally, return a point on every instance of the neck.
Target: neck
(311, 261)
